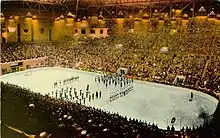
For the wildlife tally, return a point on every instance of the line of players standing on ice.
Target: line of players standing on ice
(66, 81)
(72, 94)
(123, 84)
(110, 80)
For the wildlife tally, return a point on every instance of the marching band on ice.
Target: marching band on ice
(123, 87)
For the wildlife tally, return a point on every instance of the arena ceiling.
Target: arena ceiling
(109, 8)
(70, 2)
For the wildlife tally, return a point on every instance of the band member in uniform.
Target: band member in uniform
(89, 98)
(82, 95)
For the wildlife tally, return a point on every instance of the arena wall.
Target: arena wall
(28, 29)
(20, 65)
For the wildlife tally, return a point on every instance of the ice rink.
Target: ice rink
(150, 102)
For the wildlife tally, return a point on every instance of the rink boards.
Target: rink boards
(151, 102)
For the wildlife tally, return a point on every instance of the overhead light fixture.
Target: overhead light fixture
(2, 16)
(70, 15)
(218, 16)
(100, 16)
(11, 18)
(34, 17)
(120, 13)
(185, 16)
(84, 18)
(212, 14)
(202, 11)
(29, 15)
(62, 17)
(57, 19)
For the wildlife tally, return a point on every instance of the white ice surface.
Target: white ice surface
(151, 102)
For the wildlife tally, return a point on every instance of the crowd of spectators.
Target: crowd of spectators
(154, 55)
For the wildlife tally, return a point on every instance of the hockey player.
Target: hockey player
(70, 93)
(82, 95)
(96, 94)
(61, 94)
(100, 94)
(75, 93)
(173, 120)
(192, 95)
(80, 92)
(87, 93)
(56, 94)
(84, 101)
(89, 98)
(87, 88)
(93, 96)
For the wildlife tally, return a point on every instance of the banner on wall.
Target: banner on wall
(14, 64)
(25, 30)
(41, 30)
(11, 29)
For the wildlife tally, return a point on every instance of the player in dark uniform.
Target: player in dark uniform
(84, 101)
(93, 96)
(173, 120)
(96, 94)
(89, 98)
(56, 94)
(80, 92)
(87, 88)
(192, 95)
(87, 93)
